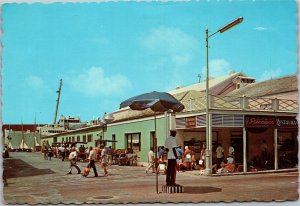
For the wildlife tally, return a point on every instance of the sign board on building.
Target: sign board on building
(264, 121)
(286, 122)
(190, 122)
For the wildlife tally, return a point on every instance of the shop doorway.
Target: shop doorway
(236, 141)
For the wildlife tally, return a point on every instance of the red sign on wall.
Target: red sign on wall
(260, 121)
(190, 122)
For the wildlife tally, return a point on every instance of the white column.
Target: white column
(244, 150)
(166, 126)
(275, 149)
(210, 142)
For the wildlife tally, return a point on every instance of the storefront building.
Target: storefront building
(237, 120)
(247, 118)
(246, 133)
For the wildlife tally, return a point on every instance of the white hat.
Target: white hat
(186, 147)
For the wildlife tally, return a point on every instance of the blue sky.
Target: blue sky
(108, 52)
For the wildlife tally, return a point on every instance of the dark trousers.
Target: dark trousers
(63, 156)
(171, 172)
(73, 164)
(219, 162)
(92, 165)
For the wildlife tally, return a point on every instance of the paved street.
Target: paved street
(32, 180)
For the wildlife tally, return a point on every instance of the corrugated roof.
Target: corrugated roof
(202, 85)
(191, 94)
(268, 87)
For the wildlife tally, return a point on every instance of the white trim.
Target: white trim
(136, 120)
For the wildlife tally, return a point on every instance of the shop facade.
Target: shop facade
(244, 129)
(266, 117)
(246, 133)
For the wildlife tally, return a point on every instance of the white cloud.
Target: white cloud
(260, 28)
(217, 68)
(35, 82)
(172, 43)
(269, 74)
(171, 52)
(181, 59)
(93, 82)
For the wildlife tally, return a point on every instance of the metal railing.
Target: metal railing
(241, 103)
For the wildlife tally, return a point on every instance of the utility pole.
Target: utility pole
(57, 101)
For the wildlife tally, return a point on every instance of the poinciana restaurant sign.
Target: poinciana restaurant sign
(259, 121)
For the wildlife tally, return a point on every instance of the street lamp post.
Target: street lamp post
(107, 118)
(208, 160)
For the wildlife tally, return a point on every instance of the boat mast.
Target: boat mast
(57, 101)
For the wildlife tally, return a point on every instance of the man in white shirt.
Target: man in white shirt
(73, 160)
(92, 158)
(150, 161)
(170, 145)
(104, 159)
(231, 150)
(220, 152)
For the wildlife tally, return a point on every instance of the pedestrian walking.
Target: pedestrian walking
(104, 159)
(45, 149)
(73, 160)
(170, 145)
(50, 153)
(63, 152)
(92, 158)
(220, 155)
(187, 157)
(109, 155)
(150, 161)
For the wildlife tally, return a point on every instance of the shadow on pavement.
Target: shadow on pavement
(18, 168)
(201, 190)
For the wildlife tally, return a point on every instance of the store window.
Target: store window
(287, 149)
(55, 139)
(133, 141)
(152, 140)
(113, 138)
(62, 139)
(78, 138)
(286, 141)
(73, 139)
(84, 138)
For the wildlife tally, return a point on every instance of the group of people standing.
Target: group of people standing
(225, 165)
(176, 155)
(173, 156)
(104, 156)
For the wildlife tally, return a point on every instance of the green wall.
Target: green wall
(144, 126)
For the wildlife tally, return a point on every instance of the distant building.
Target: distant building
(64, 124)
(29, 135)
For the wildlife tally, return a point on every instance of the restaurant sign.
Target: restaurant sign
(286, 122)
(190, 122)
(279, 122)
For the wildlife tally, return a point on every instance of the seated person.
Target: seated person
(230, 159)
(227, 166)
